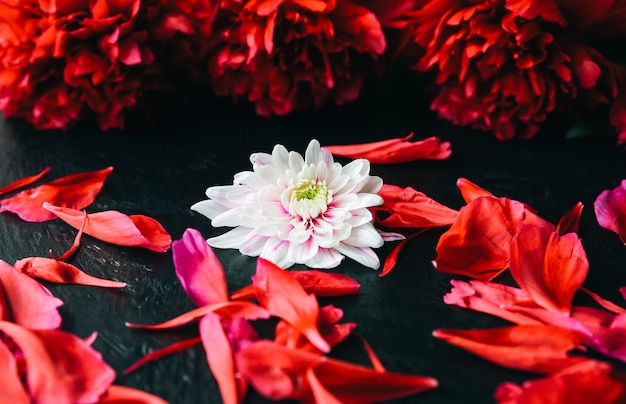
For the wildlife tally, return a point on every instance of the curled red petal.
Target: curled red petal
(198, 269)
(61, 272)
(471, 191)
(75, 191)
(569, 221)
(586, 382)
(11, 388)
(610, 306)
(23, 182)
(117, 228)
(127, 395)
(549, 267)
(245, 310)
(390, 261)
(283, 296)
(25, 301)
(610, 208)
(410, 208)
(61, 368)
(533, 348)
(162, 353)
(395, 151)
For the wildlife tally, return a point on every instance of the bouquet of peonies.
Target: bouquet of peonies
(501, 65)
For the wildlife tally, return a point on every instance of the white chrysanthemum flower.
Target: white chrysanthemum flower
(290, 209)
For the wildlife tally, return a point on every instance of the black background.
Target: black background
(162, 171)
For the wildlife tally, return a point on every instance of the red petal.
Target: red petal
(583, 383)
(540, 348)
(320, 394)
(75, 191)
(11, 388)
(162, 353)
(26, 301)
(549, 267)
(570, 221)
(277, 372)
(477, 245)
(283, 296)
(394, 151)
(23, 182)
(319, 283)
(117, 228)
(610, 208)
(546, 9)
(126, 395)
(471, 191)
(61, 368)
(390, 261)
(410, 208)
(220, 357)
(245, 310)
(61, 272)
(610, 306)
(199, 270)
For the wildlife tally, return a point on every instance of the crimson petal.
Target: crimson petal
(75, 191)
(162, 353)
(23, 182)
(61, 272)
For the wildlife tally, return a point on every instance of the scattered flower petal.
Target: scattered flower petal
(532, 348)
(126, 395)
(61, 272)
(410, 208)
(23, 182)
(75, 191)
(11, 389)
(390, 261)
(291, 209)
(471, 191)
(570, 221)
(117, 228)
(395, 151)
(610, 208)
(162, 353)
(283, 296)
(610, 306)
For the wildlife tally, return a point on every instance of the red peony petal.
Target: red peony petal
(117, 228)
(277, 373)
(61, 272)
(126, 395)
(23, 182)
(25, 301)
(11, 388)
(162, 353)
(583, 383)
(220, 357)
(60, 367)
(610, 208)
(549, 267)
(477, 245)
(198, 269)
(410, 208)
(395, 151)
(546, 9)
(283, 296)
(538, 348)
(75, 191)
(245, 310)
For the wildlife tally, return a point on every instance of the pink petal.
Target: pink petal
(29, 303)
(395, 151)
(610, 208)
(198, 269)
(549, 267)
(11, 388)
(75, 191)
(162, 353)
(60, 368)
(61, 272)
(409, 208)
(532, 348)
(23, 182)
(126, 395)
(117, 228)
(283, 296)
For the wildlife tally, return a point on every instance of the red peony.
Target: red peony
(504, 65)
(292, 54)
(63, 61)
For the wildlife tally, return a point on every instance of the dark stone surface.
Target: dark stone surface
(162, 171)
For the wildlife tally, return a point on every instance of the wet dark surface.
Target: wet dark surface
(162, 171)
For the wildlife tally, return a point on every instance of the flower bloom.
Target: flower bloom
(289, 54)
(291, 209)
(504, 65)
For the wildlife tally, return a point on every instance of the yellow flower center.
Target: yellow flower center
(307, 199)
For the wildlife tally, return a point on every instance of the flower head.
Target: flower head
(505, 65)
(298, 210)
